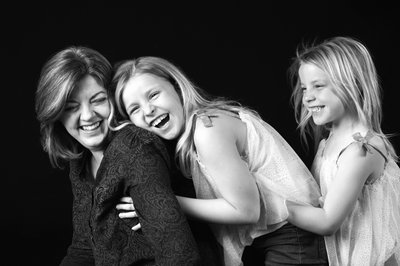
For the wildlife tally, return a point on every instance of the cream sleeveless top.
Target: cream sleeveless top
(370, 234)
(279, 174)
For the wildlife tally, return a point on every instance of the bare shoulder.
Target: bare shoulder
(218, 122)
(218, 126)
(365, 153)
(378, 143)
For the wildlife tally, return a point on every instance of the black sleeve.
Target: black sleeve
(163, 222)
(78, 257)
(80, 251)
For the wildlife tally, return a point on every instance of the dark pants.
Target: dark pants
(289, 245)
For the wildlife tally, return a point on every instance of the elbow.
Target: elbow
(251, 210)
(254, 216)
(251, 215)
(328, 229)
(327, 232)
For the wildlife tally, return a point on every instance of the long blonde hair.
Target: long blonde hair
(351, 70)
(194, 100)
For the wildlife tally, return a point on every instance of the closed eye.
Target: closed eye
(133, 110)
(70, 107)
(318, 85)
(100, 100)
(153, 94)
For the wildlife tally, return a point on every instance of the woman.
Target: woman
(72, 107)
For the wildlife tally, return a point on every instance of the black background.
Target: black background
(241, 51)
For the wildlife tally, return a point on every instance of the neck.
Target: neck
(348, 127)
(97, 156)
(95, 161)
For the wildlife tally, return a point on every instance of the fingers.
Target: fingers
(124, 215)
(125, 207)
(137, 227)
(126, 200)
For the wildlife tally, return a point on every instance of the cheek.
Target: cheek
(67, 120)
(105, 111)
(137, 121)
(177, 105)
(303, 101)
(341, 107)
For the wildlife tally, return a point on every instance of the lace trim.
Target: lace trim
(206, 119)
(365, 147)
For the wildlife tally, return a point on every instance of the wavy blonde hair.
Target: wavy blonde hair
(194, 101)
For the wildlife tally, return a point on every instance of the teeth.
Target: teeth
(91, 127)
(158, 120)
(315, 109)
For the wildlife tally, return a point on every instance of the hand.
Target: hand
(127, 210)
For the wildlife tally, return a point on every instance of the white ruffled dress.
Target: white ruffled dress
(370, 234)
(279, 173)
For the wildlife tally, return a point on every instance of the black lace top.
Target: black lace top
(135, 164)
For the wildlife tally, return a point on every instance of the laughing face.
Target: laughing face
(153, 104)
(86, 112)
(319, 97)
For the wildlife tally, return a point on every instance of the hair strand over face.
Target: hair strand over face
(350, 67)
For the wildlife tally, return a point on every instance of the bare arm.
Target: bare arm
(354, 169)
(217, 149)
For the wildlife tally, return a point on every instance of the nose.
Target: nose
(148, 109)
(87, 112)
(308, 96)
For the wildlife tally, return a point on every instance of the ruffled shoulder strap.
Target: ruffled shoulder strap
(206, 119)
(206, 115)
(365, 146)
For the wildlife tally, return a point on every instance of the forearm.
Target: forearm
(311, 218)
(218, 211)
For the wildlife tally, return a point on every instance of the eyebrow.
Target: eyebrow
(315, 81)
(318, 80)
(91, 98)
(98, 93)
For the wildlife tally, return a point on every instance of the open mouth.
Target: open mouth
(160, 121)
(315, 109)
(90, 127)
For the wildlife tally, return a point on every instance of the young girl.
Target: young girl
(337, 96)
(242, 169)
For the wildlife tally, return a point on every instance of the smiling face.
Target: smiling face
(153, 104)
(85, 114)
(319, 97)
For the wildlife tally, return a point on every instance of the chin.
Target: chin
(168, 137)
(98, 142)
(318, 122)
